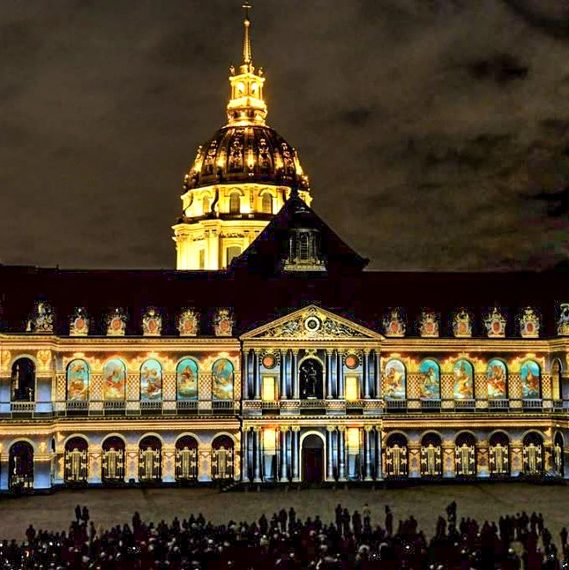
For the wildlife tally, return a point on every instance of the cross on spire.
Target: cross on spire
(247, 54)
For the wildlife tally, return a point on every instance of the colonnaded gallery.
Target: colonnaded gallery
(271, 356)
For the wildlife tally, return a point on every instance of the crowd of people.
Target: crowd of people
(354, 540)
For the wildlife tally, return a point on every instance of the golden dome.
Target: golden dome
(246, 154)
(246, 150)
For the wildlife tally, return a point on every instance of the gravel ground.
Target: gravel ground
(115, 506)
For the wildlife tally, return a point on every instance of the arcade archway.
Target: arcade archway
(312, 459)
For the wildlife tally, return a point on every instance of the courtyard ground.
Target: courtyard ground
(116, 506)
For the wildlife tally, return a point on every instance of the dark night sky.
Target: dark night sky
(435, 132)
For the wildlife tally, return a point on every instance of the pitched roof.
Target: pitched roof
(266, 254)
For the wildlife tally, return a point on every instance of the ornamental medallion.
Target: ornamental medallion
(116, 323)
(188, 323)
(79, 324)
(495, 324)
(462, 324)
(529, 323)
(223, 323)
(563, 320)
(428, 324)
(42, 319)
(151, 322)
(393, 324)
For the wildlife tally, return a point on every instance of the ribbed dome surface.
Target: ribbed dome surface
(252, 153)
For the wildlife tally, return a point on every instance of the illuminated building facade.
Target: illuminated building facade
(281, 360)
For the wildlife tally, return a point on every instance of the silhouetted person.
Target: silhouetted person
(388, 521)
(77, 513)
(85, 515)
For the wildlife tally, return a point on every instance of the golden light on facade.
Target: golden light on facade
(352, 388)
(269, 392)
(353, 441)
(270, 441)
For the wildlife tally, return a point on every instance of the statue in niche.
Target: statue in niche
(310, 380)
(499, 458)
(186, 462)
(222, 461)
(149, 462)
(397, 459)
(532, 454)
(77, 460)
(112, 463)
(464, 459)
(558, 458)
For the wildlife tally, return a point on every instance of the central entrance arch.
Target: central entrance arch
(312, 459)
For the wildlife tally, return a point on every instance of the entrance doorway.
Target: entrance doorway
(312, 459)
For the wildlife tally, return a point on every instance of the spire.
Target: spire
(247, 54)
(246, 105)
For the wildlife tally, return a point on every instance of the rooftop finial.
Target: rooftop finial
(247, 55)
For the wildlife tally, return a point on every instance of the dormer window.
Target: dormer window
(304, 251)
(234, 203)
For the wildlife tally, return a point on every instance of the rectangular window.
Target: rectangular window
(269, 389)
(352, 388)
(202, 259)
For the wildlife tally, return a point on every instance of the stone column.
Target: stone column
(341, 453)
(294, 376)
(365, 375)
(250, 386)
(334, 373)
(330, 453)
(256, 376)
(283, 454)
(245, 456)
(367, 443)
(296, 453)
(288, 438)
(372, 381)
(257, 448)
(329, 388)
(341, 389)
(379, 453)
(282, 377)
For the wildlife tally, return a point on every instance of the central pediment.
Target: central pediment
(312, 323)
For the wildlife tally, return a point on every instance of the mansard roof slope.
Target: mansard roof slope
(268, 251)
(364, 297)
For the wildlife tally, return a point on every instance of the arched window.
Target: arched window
(222, 372)
(431, 456)
(304, 246)
(396, 464)
(23, 380)
(267, 203)
(21, 466)
(76, 464)
(394, 380)
(533, 454)
(113, 460)
(499, 455)
(186, 459)
(114, 380)
(232, 252)
(222, 458)
(497, 379)
(234, 203)
(205, 205)
(463, 380)
(151, 380)
(187, 379)
(465, 455)
(77, 381)
(430, 384)
(556, 388)
(530, 376)
(150, 459)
